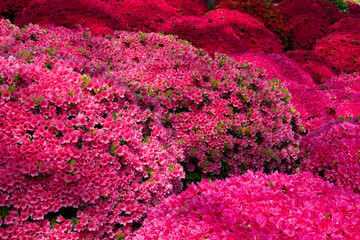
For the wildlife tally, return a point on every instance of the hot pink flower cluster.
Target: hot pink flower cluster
(82, 153)
(315, 106)
(333, 153)
(345, 92)
(256, 206)
(230, 117)
(225, 31)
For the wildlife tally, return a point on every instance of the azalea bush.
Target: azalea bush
(225, 31)
(82, 154)
(229, 117)
(264, 11)
(332, 152)
(319, 68)
(342, 49)
(307, 20)
(315, 106)
(256, 206)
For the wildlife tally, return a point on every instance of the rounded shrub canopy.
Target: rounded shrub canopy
(256, 206)
(83, 155)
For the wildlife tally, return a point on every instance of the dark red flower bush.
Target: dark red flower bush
(257, 206)
(304, 31)
(12, 8)
(307, 21)
(342, 49)
(82, 153)
(225, 31)
(263, 11)
(313, 105)
(333, 153)
(101, 17)
(317, 66)
(189, 7)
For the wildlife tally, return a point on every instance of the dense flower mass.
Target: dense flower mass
(103, 117)
(264, 11)
(319, 68)
(225, 31)
(314, 106)
(342, 48)
(230, 117)
(333, 153)
(81, 153)
(307, 20)
(257, 206)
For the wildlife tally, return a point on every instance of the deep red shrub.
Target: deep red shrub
(354, 8)
(225, 31)
(12, 8)
(313, 105)
(82, 153)
(333, 153)
(304, 30)
(341, 48)
(317, 66)
(257, 206)
(211, 36)
(100, 16)
(312, 8)
(189, 7)
(307, 21)
(264, 11)
(346, 24)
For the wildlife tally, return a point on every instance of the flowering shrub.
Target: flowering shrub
(225, 31)
(189, 7)
(256, 206)
(345, 91)
(264, 11)
(304, 30)
(12, 8)
(312, 8)
(346, 24)
(307, 21)
(317, 66)
(342, 49)
(230, 118)
(101, 17)
(313, 105)
(82, 154)
(333, 153)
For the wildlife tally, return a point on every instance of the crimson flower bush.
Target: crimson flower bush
(307, 21)
(342, 49)
(256, 206)
(225, 31)
(263, 11)
(332, 152)
(82, 154)
(319, 68)
(101, 17)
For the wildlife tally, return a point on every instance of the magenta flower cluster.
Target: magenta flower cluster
(257, 206)
(83, 155)
(333, 153)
